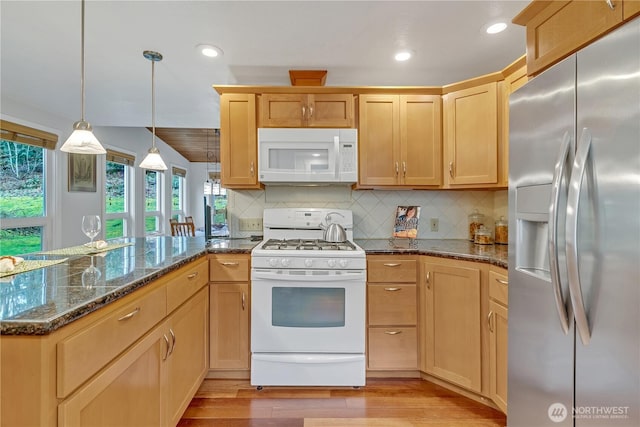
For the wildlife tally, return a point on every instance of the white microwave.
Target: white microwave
(306, 155)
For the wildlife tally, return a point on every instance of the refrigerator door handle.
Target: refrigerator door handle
(575, 186)
(558, 173)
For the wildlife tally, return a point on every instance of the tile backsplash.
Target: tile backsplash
(374, 210)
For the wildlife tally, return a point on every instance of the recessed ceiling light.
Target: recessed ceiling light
(210, 50)
(403, 55)
(496, 28)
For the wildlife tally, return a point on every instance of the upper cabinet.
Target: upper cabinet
(238, 141)
(400, 141)
(306, 110)
(471, 136)
(556, 29)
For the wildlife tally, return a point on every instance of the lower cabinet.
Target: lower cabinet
(451, 317)
(152, 383)
(498, 319)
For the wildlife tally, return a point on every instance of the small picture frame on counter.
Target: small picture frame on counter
(406, 223)
(82, 172)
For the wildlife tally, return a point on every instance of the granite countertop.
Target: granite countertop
(449, 248)
(40, 301)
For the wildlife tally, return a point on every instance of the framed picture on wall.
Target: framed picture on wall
(406, 224)
(82, 172)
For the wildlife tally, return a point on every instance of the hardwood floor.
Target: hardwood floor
(381, 403)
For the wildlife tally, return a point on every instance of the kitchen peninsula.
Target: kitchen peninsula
(71, 352)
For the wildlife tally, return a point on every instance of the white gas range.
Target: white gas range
(308, 302)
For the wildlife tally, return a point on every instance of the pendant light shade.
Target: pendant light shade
(82, 140)
(153, 160)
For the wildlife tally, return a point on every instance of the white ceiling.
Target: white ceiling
(262, 40)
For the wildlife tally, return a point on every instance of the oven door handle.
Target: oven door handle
(342, 277)
(306, 358)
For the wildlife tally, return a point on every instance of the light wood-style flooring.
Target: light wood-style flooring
(381, 403)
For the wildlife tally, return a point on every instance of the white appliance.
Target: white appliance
(308, 302)
(574, 255)
(307, 155)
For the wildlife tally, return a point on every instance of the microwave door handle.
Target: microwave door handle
(336, 149)
(554, 269)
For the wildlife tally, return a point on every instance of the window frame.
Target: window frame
(182, 196)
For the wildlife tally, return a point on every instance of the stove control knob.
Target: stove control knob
(343, 263)
(273, 262)
(308, 262)
(331, 263)
(285, 262)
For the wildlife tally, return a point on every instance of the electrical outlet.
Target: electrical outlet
(433, 224)
(250, 224)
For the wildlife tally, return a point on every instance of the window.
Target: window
(153, 214)
(178, 201)
(118, 220)
(24, 188)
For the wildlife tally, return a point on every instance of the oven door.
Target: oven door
(308, 311)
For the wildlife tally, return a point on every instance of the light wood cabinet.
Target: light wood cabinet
(498, 328)
(471, 136)
(400, 141)
(630, 8)
(392, 313)
(558, 28)
(229, 314)
(306, 110)
(238, 141)
(451, 317)
(131, 363)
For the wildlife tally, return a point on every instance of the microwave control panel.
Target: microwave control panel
(348, 157)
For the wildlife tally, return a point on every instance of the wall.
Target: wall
(374, 211)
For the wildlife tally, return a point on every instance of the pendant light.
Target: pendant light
(153, 160)
(82, 140)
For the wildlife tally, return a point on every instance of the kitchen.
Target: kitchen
(375, 206)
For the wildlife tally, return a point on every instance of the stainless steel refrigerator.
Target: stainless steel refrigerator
(574, 245)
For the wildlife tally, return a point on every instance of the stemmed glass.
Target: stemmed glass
(91, 227)
(90, 276)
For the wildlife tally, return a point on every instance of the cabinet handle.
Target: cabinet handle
(404, 169)
(392, 289)
(251, 169)
(428, 279)
(243, 301)
(489, 321)
(397, 170)
(173, 342)
(166, 353)
(611, 5)
(392, 332)
(130, 315)
(304, 112)
(192, 275)
(310, 111)
(451, 169)
(504, 282)
(392, 264)
(229, 264)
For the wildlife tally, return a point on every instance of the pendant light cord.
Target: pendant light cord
(82, 59)
(153, 103)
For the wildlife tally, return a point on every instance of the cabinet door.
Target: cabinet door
(471, 136)
(453, 325)
(283, 110)
(630, 8)
(564, 27)
(498, 317)
(229, 326)
(187, 356)
(420, 139)
(379, 149)
(392, 348)
(128, 393)
(330, 110)
(238, 141)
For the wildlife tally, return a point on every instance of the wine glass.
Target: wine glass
(91, 227)
(90, 276)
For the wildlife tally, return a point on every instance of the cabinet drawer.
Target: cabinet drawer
(390, 304)
(83, 354)
(192, 278)
(393, 348)
(391, 270)
(499, 287)
(229, 268)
